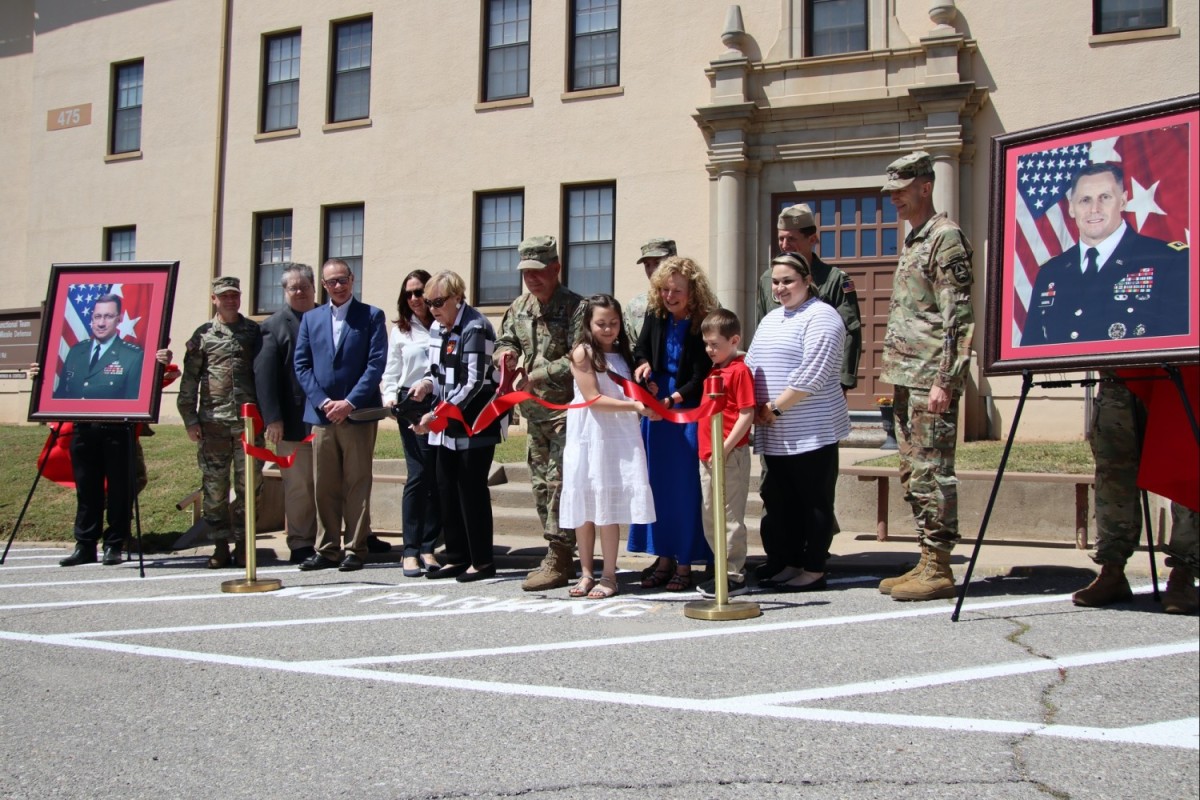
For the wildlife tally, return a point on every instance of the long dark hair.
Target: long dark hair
(403, 321)
(621, 346)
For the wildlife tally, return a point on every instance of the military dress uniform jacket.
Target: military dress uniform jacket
(930, 321)
(837, 289)
(1142, 290)
(116, 375)
(542, 337)
(218, 372)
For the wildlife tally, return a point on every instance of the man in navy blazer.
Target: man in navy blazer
(341, 350)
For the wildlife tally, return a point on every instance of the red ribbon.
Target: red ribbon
(261, 453)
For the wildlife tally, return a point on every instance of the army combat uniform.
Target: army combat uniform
(930, 324)
(218, 377)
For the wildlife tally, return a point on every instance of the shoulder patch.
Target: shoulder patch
(1178, 246)
(848, 285)
(959, 270)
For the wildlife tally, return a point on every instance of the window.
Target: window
(506, 60)
(500, 225)
(1113, 16)
(344, 240)
(595, 44)
(854, 226)
(272, 247)
(281, 82)
(350, 81)
(126, 134)
(588, 251)
(836, 26)
(120, 244)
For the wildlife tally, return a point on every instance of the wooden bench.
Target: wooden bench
(883, 475)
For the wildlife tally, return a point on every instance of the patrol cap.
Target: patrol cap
(904, 170)
(795, 218)
(658, 248)
(226, 283)
(537, 252)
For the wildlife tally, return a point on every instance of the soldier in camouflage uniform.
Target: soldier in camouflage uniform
(926, 352)
(218, 377)
(1118, 425)
(537, 333)
(653, 252)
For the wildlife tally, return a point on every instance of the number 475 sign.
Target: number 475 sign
(69, 117)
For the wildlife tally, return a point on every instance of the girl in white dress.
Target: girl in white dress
(605, 483)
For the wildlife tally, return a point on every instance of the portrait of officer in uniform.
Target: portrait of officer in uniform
(104, 367)
(1114, 283)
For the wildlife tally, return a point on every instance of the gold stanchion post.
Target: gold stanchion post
(250, 583)
(719, 608)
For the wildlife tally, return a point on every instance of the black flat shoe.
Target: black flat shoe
(375, 545)
(448, 571)
(816, 586)
(469, 577)
(351, 563)
(84, 554)
(317, 561)
(112, 556)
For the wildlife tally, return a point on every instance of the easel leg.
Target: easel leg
(1026, 384)
(137, 516)
(41, 468)
(1150, 543)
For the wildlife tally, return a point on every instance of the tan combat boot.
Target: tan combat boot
(935, 582)
(887, 584)
(1180, 596)
(220, 557)
(1109, 587)
(556, 570)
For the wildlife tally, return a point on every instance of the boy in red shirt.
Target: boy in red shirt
(722, 332)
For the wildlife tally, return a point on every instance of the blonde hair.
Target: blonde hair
(450, 282)
(701, 298)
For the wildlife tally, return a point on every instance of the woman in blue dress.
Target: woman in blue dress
(671, 362)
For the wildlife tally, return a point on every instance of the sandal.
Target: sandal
(603, 589)
(582, 588)
(658, 576)
(680, 581)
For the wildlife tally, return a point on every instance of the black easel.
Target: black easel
(1027, 383)
(41, 468)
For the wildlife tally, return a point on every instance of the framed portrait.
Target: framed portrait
(102, 325)
(1090, 263)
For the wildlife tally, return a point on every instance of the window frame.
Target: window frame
(354, 260)
(261, 302)
(118, 112)
(111, 233)
(1098, 20)
(479, 252)
(573, 67)
(567, 243)
(266, 85)
(810, 29)
(338, 76)
(491, 52)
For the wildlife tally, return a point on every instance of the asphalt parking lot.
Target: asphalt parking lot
(372, 685)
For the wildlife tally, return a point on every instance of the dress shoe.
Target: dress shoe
(413, 572)
(818, 585)
(317, 561)
(85, 553)
(350, 563)
(375, 545)
(447, 571)
(470, 577)
(301, 554)
(112, 555)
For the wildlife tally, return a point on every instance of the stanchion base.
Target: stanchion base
(243, 585)
(712, 610)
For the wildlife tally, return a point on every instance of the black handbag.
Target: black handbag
(409, 410)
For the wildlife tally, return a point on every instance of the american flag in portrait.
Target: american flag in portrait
(1155, 163)
(81, 297)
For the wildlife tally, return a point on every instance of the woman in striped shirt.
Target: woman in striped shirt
(796, 360)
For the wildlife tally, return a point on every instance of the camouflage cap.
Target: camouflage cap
(658, 248)
(904, 170)
(537, 252)
(796, 218)
(226, 283)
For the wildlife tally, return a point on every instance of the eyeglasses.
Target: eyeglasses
(341, 280)
(438, 302)
(99, 317)
(298, 289)
(414, 293)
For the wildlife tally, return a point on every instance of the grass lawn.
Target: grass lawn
(1071, 458)
(171, 465)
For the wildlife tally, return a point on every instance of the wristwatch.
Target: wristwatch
(774, 408)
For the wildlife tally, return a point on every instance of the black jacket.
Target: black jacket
(280, 396)
(694, 364)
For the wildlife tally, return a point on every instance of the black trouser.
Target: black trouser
(421, 515)
(797, 493)
(100, 453)
(466, 504)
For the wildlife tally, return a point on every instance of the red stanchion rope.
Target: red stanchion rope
(262, 453)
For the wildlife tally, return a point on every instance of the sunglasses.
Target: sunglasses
(414, 293)
(438, 303)
(340, 281)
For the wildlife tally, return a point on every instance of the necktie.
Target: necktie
(1092, 266)
(95, 356)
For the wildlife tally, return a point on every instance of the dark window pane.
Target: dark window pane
(344, 240)
(868, 243)
(507, 72)
(849, 211)
(352, 71)
(1130, 15)
(848, 245)
(828, 212)
(890, 237)
(127, 108)
(122, 244)
(889, 211)
(589, 252)
(870, 206)
(274, 246)
(597, 44)
(837, 26)
(828, 242)
(281, 83)
(501, 224)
